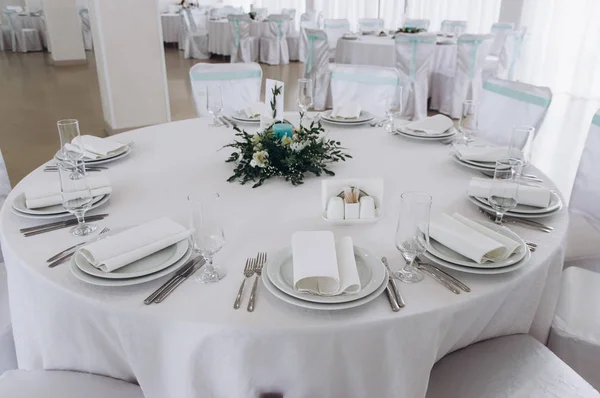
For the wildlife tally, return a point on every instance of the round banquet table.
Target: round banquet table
(195, 344)
(32, 22)
(219, 36)
(379, 51)
(171, 25)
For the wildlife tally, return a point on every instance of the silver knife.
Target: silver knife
(225, 122)
(233, 124)
(199, 263)
(57, 223)
(190, 264)
(56, 228)
(392, 283)
(438, 278)
(444, 274)
(530, 222)
(392, 298)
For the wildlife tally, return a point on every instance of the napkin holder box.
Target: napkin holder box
(372, 186)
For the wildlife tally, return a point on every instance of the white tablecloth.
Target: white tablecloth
(32, 22)
(196, 345)
(171, 25)
(379, 51)
(219, 35)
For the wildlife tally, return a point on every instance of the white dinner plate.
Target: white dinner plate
(103, 200)
(480, 271)
(371, 273)
(320, 306)
(403, 131)
(20, 206)
(489, 209)
(555, 204)
(241, 117)
(93, 280)
(445, 253)
(148, 265)
(105, 159)
(472, 165)
(362, 119)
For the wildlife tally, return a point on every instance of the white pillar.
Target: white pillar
(63, 29)
(130, 60)
(510, 11)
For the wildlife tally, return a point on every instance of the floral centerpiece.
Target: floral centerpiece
(258, 157)
(252, 15)
(410, 30)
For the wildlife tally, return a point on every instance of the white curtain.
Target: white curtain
(352, 10)
(561, 51)
(479, 14)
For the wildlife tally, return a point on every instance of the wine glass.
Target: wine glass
(76, 194)
(504, 192)
(468, 121)
(206, 234)
(412, 233)
(214, 103)
(393, 108)
(305, 97)
(70, 149)
(520, 143)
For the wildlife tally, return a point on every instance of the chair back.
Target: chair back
(335, 29)
(189, 25)
(278, 26)
(416, 23)
(505, 104)
(369, 86)
(303, 39)
(509, 56)
(370, 24)
(239, 26)
(500, 30)
(471, 54)
(457, 28)
(585, 197)
(240, 85)
(316, 66)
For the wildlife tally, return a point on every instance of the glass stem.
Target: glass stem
(80, 218)
(408, 266)
(498, 219)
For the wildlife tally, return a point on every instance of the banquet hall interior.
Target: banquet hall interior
(299, 198)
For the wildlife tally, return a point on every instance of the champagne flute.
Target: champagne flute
(206, 235)
(412, 233)
(76, 194)
(468, 121)
(71, 148)
(520, 143)
(393, 108)
(214, 103)
(504, 192)
(305, 97)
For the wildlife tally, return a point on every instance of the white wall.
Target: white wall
(63, 27)
(510, 11)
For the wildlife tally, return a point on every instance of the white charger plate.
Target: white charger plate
(148, 265)
(489, 209)
(102, 201)
(362, 119)
(319, 306)
(114, 156)
(403, 131)
(93, 280)
(20, 205)
(555, 204)
(445, 253)
(371, 273)
(244, 119)
(470, 164)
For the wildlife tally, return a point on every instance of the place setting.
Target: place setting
(347, 115)
(432, 128)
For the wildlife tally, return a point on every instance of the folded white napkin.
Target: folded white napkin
(528, 195)
(322, 266)
(117, 251)
(484, 153)
(471, 239)
(349, 110)
(48, 193)
(96, 147)
(433, 125)
(254, 110)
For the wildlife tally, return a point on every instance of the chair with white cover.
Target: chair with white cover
(273, 43)
(22, 39)
(499, 31)
(583, 238)
(516, 366)
(310, 15)
(371, 87)
(505, 104)
(509, 56)
(575, 333)
(335, 29)
(370, 25)
(244, 48)
(414, 56)
(416, 23)
(5, 37)
(64, 384)
(195, 40)
(86, 29)
(317, 66)
(302, 51)
(261, 13)
(17, 9)
(456, 28)
(291, 12)
(8, 357)
(240, 85)
(449, 89)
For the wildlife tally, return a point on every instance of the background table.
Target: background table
(195, 345)
(219, 36)
(171, 25)
(32, 22)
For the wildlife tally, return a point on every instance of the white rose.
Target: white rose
(259, 159)
(297, 146)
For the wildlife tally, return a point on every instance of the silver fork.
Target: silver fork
(248, 271)
(261, 259)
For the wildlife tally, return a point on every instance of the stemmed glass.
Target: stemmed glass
(71, 148)
(468, 121)
(214, 103)
(520, 143)
(76, 194)
(504, 192)
(393, 108)
(206, 234)
(305, 97)
(412, 233)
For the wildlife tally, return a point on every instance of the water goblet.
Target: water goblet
(468, 123)
(504, 192)
(76, 194)
(305, 97)
(393, 107)
(214, 103)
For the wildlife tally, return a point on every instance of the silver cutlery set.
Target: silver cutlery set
(253, 266)
(228, 122)
(54, 168)
(55, 226)
(187, 270)
(442, 277)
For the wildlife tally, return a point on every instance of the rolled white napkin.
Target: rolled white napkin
(96, 147)
(471, 239)
(322, 266)
(349, 110)
(528, 195)
(254, 110)
(484, 153)
(117, 251)
(48, 193)
(434, 125)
